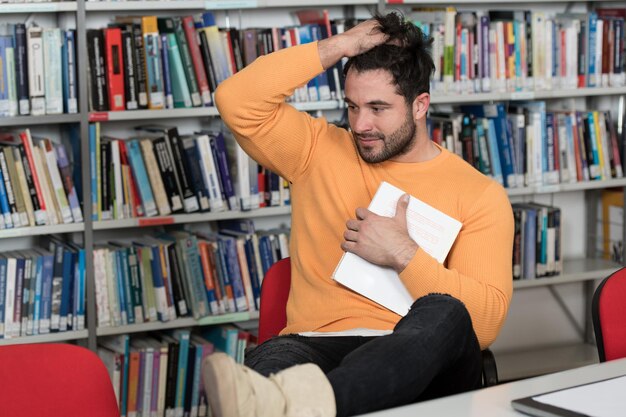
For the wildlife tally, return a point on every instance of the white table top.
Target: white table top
(496, 401)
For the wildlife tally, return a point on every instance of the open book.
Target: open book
(431, 229)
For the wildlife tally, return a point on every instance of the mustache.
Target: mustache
(367, 136)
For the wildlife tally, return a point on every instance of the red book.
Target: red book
(115, 67)
(196, 57)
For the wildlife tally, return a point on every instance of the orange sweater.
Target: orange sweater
(329, 181)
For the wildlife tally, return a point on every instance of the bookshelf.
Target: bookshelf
(576, 270)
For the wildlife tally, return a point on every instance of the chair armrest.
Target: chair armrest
(490, 370)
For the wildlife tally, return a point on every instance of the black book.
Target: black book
(192, 160)
(105, 193)
(130, 69)
(208, 60)
(99, 98)
(191, 361)
(173, 349)
(21, 69)
(166, 168)
(141, 75)
(183, 178)
(176, 278)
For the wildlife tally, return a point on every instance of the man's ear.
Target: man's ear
(420, 106)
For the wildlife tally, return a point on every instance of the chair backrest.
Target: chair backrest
(53, 380)
(274, 294)
(608, 311)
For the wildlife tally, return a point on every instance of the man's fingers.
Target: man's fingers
(350, 235)
(352, 225)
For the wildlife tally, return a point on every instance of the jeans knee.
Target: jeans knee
(443, 307)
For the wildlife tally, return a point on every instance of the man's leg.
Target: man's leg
(433, 351)
(282, 352)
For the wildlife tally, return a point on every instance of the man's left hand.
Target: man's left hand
(381, 240)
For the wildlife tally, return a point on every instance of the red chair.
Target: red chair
(608, 312)
(273, 314)
(54, 380)
(274, 294)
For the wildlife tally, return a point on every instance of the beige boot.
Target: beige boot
(234, 390)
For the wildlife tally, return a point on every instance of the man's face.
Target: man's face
(382, 123)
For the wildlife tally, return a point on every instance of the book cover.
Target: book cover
(432, 230)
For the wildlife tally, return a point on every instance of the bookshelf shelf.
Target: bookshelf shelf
(179, 323)
(46, 338)
(216, 4)
(52, 7)
(190, 218)
(39, 120)
(526, 95)
(116, 116)
(574, 270)
(561, 188)
(42, 230)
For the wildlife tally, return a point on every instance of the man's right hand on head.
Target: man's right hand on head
(357, 40)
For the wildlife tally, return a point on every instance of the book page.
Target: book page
(431, 229)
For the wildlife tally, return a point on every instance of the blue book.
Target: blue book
(530, 244)
(124, 277)
(67, 288)
(497, 113)
(141, 177)
(47, 274)
(265, 250)
(68, 70)
(6, 220)
(167, 75)
(121, 292)
(183, 337)
(594, 171)
(592, 28)
(156, 98)
(93, 168)
(218, 148)
(159, 285)
(255, 279)
(188, 245)
(38, 291)
(229, 247)
(6, 42)
(224, 338)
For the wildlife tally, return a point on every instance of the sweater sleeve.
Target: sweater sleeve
(252, 104)
(478, 269)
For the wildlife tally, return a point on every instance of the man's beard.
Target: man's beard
(398, 143)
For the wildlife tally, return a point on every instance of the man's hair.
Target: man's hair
(406, 55)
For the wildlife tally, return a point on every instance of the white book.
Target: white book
(11, 81)
(36, 78)
(117, 179)
(52, 46)
(209, 173)
(432, 230)
(102, 298)
(58, 191)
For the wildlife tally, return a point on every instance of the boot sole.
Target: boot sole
(220, 386)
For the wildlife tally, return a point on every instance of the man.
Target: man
(342, 354)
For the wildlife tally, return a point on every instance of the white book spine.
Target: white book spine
(209, 172)
(36, 65)
(11, 82)
(57, 184)
(52, 46)
(9, 300)
(111, 283)
(102, 299)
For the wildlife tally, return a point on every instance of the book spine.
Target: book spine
(36, 77)
(196, 57)
(175, 148)
(114, 68)
(140, 66)
(167, 74)
(95, 48)
(180, 88)
(71, 82)
(166, 168)
(21, 69)
(141, 177)
(57, 183)
(130, 81)
(154, 177)
(187, 62)
(156, 97)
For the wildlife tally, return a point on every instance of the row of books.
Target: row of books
(537, 241)
(37, 70)
(178, 62)
(161, 374)
(530, 145)
(36, 182)
(161, 172)
(524, 50)
(178, 274)
(42, 290)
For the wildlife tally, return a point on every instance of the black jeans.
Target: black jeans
(433, 351)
